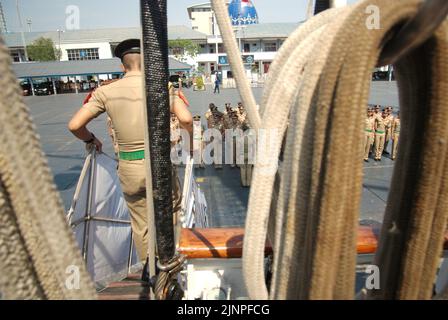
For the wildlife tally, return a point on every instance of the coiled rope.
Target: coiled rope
(39, 258)
(313, 214)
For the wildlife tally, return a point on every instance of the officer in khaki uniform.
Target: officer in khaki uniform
(369, 133)
(377, 111)
(198, 144)
(380, 134)
(242, 114)
(215, 120)
(395, 135)
(227, 121)
(123, 102)
(388, 136)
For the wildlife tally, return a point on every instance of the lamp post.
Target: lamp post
(19, 16)
(29, 22)
(59, 43)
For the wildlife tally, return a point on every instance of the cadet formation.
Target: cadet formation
(231, 118)
(381, 129)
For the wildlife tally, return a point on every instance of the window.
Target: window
(15, 56)
(177, 51)
(246, 47)
(83, 54)
(195, 28)
(270, 47)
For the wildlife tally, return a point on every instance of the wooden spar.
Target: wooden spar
(227, 243)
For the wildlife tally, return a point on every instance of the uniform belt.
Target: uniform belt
(380, 132)
(132, 156)
(369, 131)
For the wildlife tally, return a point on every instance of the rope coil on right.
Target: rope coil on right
(313, 214)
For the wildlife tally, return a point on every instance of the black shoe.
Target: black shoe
(366, 160)
(145, 272)
(386, 153)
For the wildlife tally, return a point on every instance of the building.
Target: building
(258, 42)
(88, 44)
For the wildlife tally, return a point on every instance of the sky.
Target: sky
(50, 15)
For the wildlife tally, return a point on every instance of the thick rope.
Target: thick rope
(317, 209)
(37, 247)
(234, 55)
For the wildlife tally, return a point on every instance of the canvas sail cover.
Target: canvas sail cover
(100, 220)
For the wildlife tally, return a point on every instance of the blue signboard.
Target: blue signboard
(250, 59)
(222, 60)
(247, 59)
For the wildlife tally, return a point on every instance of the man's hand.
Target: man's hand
(95, 144)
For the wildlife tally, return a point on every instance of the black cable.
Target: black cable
(155, 56)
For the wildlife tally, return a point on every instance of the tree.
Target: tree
(183, 48)
(43, 49)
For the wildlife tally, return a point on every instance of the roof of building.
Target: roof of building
(267, 30)
(204, 5)
(79, 67)
(113, 35)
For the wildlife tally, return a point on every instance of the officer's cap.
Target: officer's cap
(127, 46)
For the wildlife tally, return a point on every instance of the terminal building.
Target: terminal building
(258, 42)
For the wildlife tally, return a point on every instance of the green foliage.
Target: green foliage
(199, 83)
(182, 48)
(43, 49)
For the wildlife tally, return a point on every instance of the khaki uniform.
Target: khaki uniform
(380, 134)
(123, 103)
(112, 135)
(395, 137)
(369, 135)
(227, 120)
(377, 115)
(388, 136)
(246, 168)
(215, 120)
(198, 144)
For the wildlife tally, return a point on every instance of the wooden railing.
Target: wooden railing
(227, 243)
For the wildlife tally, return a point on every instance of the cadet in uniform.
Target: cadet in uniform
(395, 135)
(198, 144)
(215, 120)
(227, 121)
(123, 102)
(242, 115)
(388, 137)
(369, 133)
(380, 134)
(377, 111)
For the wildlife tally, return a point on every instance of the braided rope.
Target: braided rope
(41, 246)
(316, 207)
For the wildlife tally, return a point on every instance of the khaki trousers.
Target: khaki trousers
(396, 140)
(368, 141)
(379, 145)
(387, 139)
(132, 176)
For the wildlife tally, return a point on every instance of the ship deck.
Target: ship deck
(227, 200)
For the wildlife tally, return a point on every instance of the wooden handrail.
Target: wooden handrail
(227, 243)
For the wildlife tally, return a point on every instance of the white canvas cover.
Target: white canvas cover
(104, 239)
